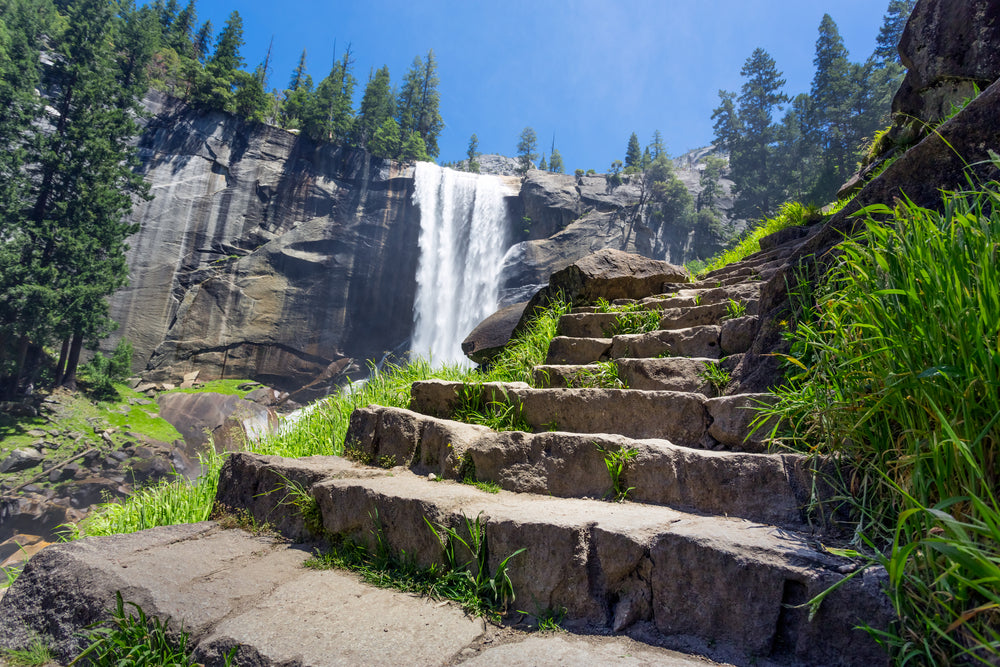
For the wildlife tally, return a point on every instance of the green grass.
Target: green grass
(790, 214)
(167, 503)
(607, 375)
(130, 637)
(896, 369)
(716, 376)
(633, 322)
(229, 387)
(468, 582)
(37, 653)
(616, 461)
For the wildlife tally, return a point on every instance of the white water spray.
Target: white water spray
(463, 226)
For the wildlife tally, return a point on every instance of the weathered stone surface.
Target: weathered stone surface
(263, 254)
(736, 335)
(700, 341)
(947, 47)
(490, 335)
(767, 488)
(227, 418)
(613, 274)
(21, 459)
(672, 374)
(570, 649)
(571, 350)
(228, 588)
(551, 202)
(580, 554)
(693, 316)
(676, 416)
(732, 417)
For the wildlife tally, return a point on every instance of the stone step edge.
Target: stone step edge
(684, 418)
(767, 488)
(653, 373)
(584, 325)
(609, 565)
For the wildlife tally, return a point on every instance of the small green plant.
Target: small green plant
(387, 461)
(133, 638)
(549, 619)
(487, 486)
(36, 654)
(697, 299)
(298, 497)
(358, 455)
(634, 322)
(716, 376)
(499, 415)
(604, 306)
(617, 461)
(101, 373)
(494, 591)
(607, 375)
(735, 309)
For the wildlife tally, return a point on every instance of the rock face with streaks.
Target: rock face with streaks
(264, 254)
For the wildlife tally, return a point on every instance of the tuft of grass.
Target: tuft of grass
(499, 415)
(36, 654)
(228, 387)
(735, 309)
(607, 375)
(166, 503)
(470, 583)
(633, 322)
(896, 370)
(790, 214)
(529, 347)
(716, 376)
(616, 461)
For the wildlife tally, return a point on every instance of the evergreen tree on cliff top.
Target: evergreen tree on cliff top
(329, 112)
(417, 106)
(377, 106)
(70, 239)
(555, 159)
(830, 113)
(633, 154)
(214, 86)
(526, 146)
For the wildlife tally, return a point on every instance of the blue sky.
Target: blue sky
(588, 71)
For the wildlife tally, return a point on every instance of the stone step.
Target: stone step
(229, 588)
(701, 341)
(612, 566)
(686, 419)
(595, 325)
(683, 298)
(769, 488)
(671, 374)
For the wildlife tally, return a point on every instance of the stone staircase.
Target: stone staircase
(705, 542)
(712, 548)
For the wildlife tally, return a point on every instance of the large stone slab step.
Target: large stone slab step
(685, 298)
(596, 325)
(684, 418)
(670, 374)
(611, 566)
(229, 588)
(770, 488)
(700, 341)
(679, 417)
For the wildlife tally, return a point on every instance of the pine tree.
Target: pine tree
(757, 187)
(182, 31)
(417, 106)
(472, 153)
(893, 22)
(377, 106)
(202, 41)
(832, 91)
(526, 146)
(555, 159)
(413, 149)
(299, 88)
(329, 113)
(542, 164)
(656, 146)
(633, 153)
(386, 143)
(71, 240)
(214, 86)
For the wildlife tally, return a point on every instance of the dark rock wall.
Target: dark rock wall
(264, 254)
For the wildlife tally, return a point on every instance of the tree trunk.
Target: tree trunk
(22, 353)
(69, 379)
(61, 367)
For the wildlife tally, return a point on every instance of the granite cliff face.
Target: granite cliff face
(263, 254)
(269, 256)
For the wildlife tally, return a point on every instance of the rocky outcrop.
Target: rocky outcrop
(264, 254)
(947, 48)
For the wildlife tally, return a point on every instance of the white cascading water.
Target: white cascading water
(463, 229)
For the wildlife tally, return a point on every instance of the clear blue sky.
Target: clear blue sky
(589, 71)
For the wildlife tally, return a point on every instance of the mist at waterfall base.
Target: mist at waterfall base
(463, 238)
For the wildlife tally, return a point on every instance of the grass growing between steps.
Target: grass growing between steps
(791, 214)
(468, 582)
(898, 371)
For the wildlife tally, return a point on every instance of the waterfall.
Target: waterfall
(463, 230)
